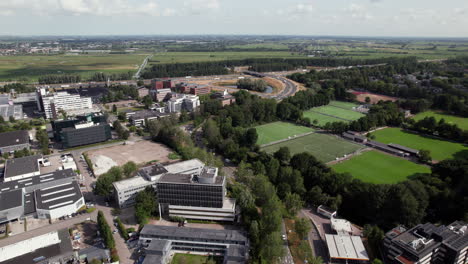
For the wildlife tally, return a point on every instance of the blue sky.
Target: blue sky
(432, 18)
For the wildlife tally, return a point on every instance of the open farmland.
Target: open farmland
(324, 147)
(440, 149)
(450, 119)
(32, 66)
(279, 130)
(377, 167)
(186, 57)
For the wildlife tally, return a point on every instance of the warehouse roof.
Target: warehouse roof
(13, 138)
(185, 166)
(11, 199)
(36, 181)
(23, 165)
(346, 247)
(57, 196)
(133, 182)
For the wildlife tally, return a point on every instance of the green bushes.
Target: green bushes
(123, 232)
(105, 231)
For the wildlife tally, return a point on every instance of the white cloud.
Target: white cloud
(81, 7)
(358, 12)
(296, 10)
(200, 6)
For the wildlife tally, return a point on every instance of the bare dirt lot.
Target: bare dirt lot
(375, 98)
(139, 152)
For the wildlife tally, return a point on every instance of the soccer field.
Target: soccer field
(338, 112)
(323, 146)
(342, 104)
(322, 119)
(279, 130)
(440, 149)
(377, 167)
(450, 119)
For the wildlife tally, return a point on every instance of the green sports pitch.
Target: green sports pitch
(336, 111)
(377, 167)
(440, 149)
(451, 119)
(324, 147)
(279, 130)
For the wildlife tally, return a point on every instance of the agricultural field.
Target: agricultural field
(186, 57)
(180, 258)
(440, 149)
(380, 168)
(334, 112)
(324, 147)
(32, 66)
(459, 121)
(279, 130)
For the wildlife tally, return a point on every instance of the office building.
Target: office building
(427, 243)
(81, 130)
(49, 195)
(160, 95)
(159, 242)
(224, 97)
(53, 103)
(187, 189)
(183, 102)
(21, 168)
(139, 118)
(9, 109)
(157, 84)
(14, 140)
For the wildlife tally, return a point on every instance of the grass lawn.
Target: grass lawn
(32, 66)
(459, 121)
(338, 112)
(377, 167)
(324, 147)
(440, 149)
(278, 130)
(180, 258)
(322, 119)
(342, 104)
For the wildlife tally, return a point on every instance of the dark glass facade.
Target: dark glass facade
(198, 195)
(85, 136)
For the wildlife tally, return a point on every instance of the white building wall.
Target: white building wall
(28, 246)
(60, 211)
(22, 176)
(65, 101)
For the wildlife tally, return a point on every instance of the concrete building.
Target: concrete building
(224, 97)
(427, 243)
(52, 103)
(157, 84)
(182, 102)
(81, 130)
(160, 241)
(50, 195)
(53, 247)
(346, 249)
(187, 189)
(14, 140)
(160, 95)
(139, 118)
(9, 109)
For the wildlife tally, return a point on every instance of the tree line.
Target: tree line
(252, 85)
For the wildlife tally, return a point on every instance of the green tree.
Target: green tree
(293, 203)
(424, 156)
(283, 155)
(12, 119)
(147, 101)
(146, 205)
(367, 100)
(302, 227)
(129, 168)
(114, 108)
(43, 140)
(105, 231)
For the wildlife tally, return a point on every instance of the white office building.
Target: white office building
(52, 103)
(185, 102)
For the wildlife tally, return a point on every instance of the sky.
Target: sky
(407, 18)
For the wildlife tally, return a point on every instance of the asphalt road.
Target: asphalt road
(287, 258)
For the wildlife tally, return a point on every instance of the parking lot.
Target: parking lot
(139, 152)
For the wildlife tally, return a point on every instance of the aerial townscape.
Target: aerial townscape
(233, 132)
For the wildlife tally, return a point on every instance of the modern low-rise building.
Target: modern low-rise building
(183, 102)
(346, 249)
(49, 195)
(427, 244)
(224, 97)
(14, 140)
(139, 118)
(187, 189)
(81, 130)
(21, 168)
(160, 241)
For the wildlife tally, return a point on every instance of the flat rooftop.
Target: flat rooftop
(42, 179)
(20, 166)
(346, 247)
(130, 183)
(179, 178)
(9, 200)
(185, 166)
(13, 138)
(226, 236)
(152, 170)
(50, 198)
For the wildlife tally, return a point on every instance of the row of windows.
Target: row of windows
(197, 239)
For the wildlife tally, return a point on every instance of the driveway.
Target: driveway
(317, 243)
